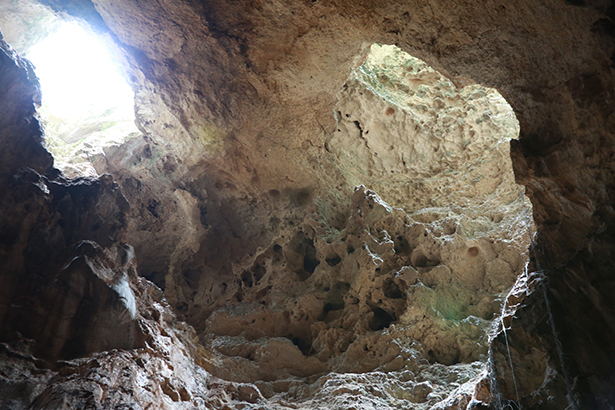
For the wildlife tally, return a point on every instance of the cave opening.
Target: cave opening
(86, 103)
(435, 236)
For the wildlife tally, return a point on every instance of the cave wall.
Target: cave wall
(236, 102)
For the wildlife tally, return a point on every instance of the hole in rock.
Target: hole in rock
(401, 245)
(305, 345)
(247, 279)
(310, 263)
(258, 271)
(391, 290)
(301, 197)
(442, 154)
(87, 106)
(334, 260)
(381, 319)
(421, 260)
(310, 260)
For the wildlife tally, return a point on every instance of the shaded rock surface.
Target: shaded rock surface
(243, 209)
(65, 269)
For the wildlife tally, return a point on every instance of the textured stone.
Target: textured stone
(241, 195)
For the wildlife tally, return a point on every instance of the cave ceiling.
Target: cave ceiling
(326, 204)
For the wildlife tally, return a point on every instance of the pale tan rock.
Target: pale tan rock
(237, 101)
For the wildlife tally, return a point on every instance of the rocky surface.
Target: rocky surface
(243, 209)
(64, 262)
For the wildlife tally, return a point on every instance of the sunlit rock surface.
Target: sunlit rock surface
(243, 209)
(424, 145)
(380, 293)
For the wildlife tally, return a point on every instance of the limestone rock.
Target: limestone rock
(304, 292)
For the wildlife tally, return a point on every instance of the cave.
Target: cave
(88, 107)
(309, 204)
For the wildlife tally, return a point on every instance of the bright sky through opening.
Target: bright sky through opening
(78, 77)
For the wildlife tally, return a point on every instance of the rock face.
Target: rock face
(328, 221)
(65, 271)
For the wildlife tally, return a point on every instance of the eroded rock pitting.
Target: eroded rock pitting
(383, 289)
(331, 222)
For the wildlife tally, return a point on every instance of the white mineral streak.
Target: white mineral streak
(126, 296)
